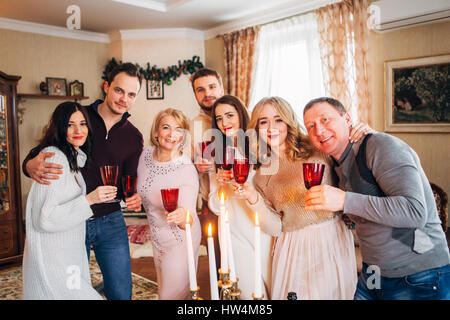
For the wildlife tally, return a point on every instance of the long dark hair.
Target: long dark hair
(56, 133)
(244, 119)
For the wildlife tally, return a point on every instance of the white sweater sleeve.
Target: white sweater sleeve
(58, 212)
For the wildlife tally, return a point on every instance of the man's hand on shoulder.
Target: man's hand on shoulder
(41, 171)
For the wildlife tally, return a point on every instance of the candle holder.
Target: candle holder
(195, 294)
(258, 298)
(225, 285)
(235, 291)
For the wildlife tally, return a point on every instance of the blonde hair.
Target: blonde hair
(298, 145)
(179, 117)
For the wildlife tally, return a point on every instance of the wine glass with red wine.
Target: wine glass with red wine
(228, 160)
(241, 169)
(129, 185)
(170, 198)
(205, 148)
(313, 174)
(109, 178)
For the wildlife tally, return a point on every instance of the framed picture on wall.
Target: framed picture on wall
(418, 95)
(155, 89)
(56, 86)
(76, 88)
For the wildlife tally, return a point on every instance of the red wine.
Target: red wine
(228, 158)
(241, 169)
(170, 199)
(109, 175)
(205, 146)
(313, 174)
(129, 185)
(312, 183)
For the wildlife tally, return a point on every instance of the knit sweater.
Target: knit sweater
(55, 264)
(281, 203)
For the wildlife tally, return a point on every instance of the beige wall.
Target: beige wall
(179, 95)
(420, 41)
(214, 51)
(34, 57)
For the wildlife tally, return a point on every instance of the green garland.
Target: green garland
(165, 75)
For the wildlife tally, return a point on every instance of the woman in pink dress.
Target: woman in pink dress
(164, 165)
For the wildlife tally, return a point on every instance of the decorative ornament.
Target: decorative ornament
(166, 75)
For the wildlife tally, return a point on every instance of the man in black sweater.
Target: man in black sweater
(115, 142)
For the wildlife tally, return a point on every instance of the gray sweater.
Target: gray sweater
(399, 231)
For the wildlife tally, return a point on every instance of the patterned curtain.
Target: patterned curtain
(239, 60)
(344, 47)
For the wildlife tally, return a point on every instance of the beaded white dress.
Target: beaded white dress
(168, 240)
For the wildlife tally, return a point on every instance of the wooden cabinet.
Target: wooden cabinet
(11, 223)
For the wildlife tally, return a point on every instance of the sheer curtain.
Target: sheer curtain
(288, 63)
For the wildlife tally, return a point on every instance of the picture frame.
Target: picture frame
(155, 89)
(76, 88)
(56, 86)
(417, 94)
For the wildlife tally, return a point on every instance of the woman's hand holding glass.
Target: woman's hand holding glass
(101, 194)
(178, 216)
(246, 191)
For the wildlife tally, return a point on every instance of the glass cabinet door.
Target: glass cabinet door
(4, 187)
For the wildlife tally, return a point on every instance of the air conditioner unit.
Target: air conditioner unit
(388, 15)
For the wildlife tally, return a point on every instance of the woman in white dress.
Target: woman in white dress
(164, 165)
(55, 264)
(230, 119)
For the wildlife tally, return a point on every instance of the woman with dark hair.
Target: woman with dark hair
(230, 119)
(55, 264)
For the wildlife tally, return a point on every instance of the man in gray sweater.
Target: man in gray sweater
(385, 191)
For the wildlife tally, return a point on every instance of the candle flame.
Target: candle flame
(209, 230)
(256, 219)
(222, 197)
(187, 216)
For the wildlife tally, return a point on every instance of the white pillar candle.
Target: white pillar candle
(222, 236)
(190, 253)
(230, 248)
(212, 266)
(257, 262)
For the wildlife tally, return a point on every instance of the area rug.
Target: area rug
(11, 284)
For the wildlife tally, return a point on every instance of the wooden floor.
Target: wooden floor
(146, 268)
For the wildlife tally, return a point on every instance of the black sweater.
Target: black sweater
(122, 146)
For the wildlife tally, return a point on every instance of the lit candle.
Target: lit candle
(230, 248)
(258, 291)
(212, 266)
(190, 252)
(223, 236)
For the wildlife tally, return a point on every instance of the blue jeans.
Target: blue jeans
(432, 284)
(109, 239)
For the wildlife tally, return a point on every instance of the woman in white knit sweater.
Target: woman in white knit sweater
(230, 117)
(55, 264)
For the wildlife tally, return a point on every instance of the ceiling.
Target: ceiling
(106, 16)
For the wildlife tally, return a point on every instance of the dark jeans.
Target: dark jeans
(109, 239)
(432, 284)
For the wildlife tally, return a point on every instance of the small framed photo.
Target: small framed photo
(56, 86)
(155, 89)
(76, 88)
(417, 94)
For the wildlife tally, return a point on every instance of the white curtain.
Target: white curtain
(288, 63)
